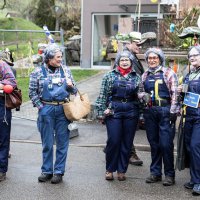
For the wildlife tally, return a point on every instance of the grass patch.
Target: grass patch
(78, 74)
(23, 44)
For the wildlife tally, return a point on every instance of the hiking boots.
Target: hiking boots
(135, 160)
(153, 179)
(169, 181)
(109, 176)
(121, 176)
(57, 178)
(44, 177)
(2, 176)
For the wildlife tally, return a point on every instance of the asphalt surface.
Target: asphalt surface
(85, 169)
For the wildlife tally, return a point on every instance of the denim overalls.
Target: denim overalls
(192, 132)
(160, 134)
(121, 125)
(5, 126)
(52, 121)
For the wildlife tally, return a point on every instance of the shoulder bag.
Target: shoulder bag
(14, 99)
(78, 107)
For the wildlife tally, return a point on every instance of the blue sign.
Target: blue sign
(191, 99)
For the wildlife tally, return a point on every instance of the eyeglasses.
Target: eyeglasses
(124, 60)
(135, 43)
(153, 58)
(194, 55)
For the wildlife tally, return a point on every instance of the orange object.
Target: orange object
(175, 67)
(8, 89)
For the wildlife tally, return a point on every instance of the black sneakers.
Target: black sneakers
(2, 176)
(189, 185)
(153, 179)
(169, 181)
(57, 178)
(44, 177)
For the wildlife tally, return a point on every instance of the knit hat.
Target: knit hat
(50, 51)
(124, 53)
(157, 51)
(196, 47)
(5, 55)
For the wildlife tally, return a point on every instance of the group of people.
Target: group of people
(124, 90)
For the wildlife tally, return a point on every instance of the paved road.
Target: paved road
(84, 177)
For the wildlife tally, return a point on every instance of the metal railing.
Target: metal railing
(17, 41)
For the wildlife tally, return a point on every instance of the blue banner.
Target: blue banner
(191, 99)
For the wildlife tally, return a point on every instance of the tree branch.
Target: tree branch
(4, 5)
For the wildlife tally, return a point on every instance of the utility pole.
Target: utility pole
(139, 13)
(158, 24)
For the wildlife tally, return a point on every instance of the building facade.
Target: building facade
(102, 19)
(187, 4)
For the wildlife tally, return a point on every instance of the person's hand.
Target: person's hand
(107, 111)
(146, 98)
(69, 83)
(179, 88)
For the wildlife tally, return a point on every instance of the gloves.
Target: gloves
(173, 117)
(146, 98)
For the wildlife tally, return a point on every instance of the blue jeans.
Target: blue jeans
(52, 121)
(5, 129)
(160, 135)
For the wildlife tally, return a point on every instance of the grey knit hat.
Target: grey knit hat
(124, 53)
(157, 51)
(5, 55)
(50, 51)
(196, 47)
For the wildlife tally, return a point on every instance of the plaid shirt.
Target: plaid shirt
(107, 86)
(171, 81)
(6, 75)
(37, 81)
